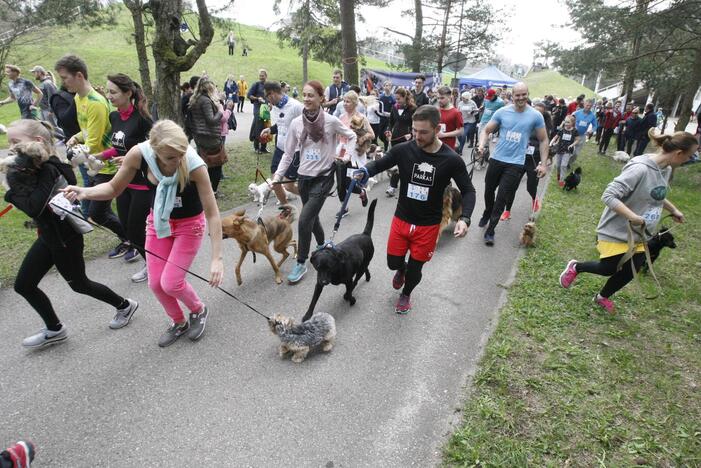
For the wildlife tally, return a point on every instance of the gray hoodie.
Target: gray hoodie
(642, 186)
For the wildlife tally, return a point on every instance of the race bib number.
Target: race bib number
(652, 216)
(443, 128)
(417, 192)
(312, 154)
(513, 137)
(530, 150)
(566, 136)
(178, 202)
(350, 171)
(583, 124)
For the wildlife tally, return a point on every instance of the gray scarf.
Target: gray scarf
(313, 126)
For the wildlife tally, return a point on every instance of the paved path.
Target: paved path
(385, 396)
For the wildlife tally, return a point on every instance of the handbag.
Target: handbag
(66, 210)
(214, 159)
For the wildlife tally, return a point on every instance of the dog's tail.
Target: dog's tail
(371, 218)
(288, 212)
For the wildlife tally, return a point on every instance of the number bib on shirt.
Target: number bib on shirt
(350, 171)
(530, 150)
(178, 202)
(312, 154)
(566, 136)
(417, 192)
(652, 216)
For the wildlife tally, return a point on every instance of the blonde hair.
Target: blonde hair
(682, 141)
(36, 128)
(352, 96)
(168, 134)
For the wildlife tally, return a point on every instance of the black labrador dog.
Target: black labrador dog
(344, 263)
(662, 239)
(573, 180)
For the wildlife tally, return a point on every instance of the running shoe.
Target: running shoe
(506, 215)
(364, 198)
(297, 273)
(345, 213)
(489, 239)
(484, 220)
(535, 206)
(561, 183)
(398, 280)
(605, 303)
(390, 191)
(172, 334)
(45, 337)
(197, 324)
(569, 274)
(132, 255)
(21, 454)
(123, 316)
(140, 276)
(118, 251)
(403, 305)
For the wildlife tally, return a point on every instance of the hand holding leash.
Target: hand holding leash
(678, 216)
(73, 193)
(460, 229)
(361, 175)
(216, 272)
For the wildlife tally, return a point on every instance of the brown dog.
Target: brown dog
(452, 207)
(256, 237)
(527, 237)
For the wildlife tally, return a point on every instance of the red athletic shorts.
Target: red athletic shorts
(420, 241)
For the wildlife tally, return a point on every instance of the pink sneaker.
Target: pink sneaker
(398, 280)
(505, 215)
(403, 305)
(605, 303)
(21, 454)
(536, 205)
(568, 275)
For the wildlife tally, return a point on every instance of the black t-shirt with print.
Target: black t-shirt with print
(129, 133)
(567, 138)
(423, 178)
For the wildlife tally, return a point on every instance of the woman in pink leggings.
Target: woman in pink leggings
(175, 226)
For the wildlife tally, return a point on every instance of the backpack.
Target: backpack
(264, 112)
(231, 123)
(63, 106)
(65, 169)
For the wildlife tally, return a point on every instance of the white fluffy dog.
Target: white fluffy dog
(80, 154)
(261, 192)
(621, 156)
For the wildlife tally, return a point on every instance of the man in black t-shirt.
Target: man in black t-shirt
(426, 166)
(419, 92)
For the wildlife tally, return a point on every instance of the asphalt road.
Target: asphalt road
(386, 395)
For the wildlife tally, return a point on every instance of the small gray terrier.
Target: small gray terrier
(299, 339)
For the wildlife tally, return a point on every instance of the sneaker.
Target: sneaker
(561, 183)
(297, 273)
(173, 332)
(484, 220)
(390, 191)
(21, 454)
(489, 239)
(364, 198)
(197, 324)
(45, 337)
(505, 215)
(345, 213)
(569, 274)
(536, 205)
(132, 255)
(605, 303)
(403, 305)
(398, 280)
(118, 251)
(140, 276)
(264, 151)
(123, 316)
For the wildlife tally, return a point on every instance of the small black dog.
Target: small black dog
(662, 239)
(573, 180)
(344, 263)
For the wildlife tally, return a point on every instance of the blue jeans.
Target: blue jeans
(467, 135)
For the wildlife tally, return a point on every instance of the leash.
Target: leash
(5, 210)
(329, 243)
(99, 226)
(628, 256)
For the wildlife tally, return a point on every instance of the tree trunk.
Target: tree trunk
(416, 52)
(692, 86)
(171, 55)
(136, 8)
(349, 46)
(444, 33)
(631, 66)
(305, 46)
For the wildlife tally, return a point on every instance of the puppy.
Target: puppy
(662, 239)
(261, 193)
(22, 165)
(255, 237)
(527, 237)
(573, 180)
(299, 339)
(80, 154)
(356, 124)
(344, 263)
(621, 156)
(452, 207)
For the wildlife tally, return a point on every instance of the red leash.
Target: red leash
(5, 210)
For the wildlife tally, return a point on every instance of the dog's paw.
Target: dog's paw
(351, 300)
(239, 281)
(278, 280)
(327, 346)
(297, 359)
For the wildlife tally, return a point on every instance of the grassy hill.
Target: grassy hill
(551, 82)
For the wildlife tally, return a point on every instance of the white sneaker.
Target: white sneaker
(390, 191)
(140, 276)
(45, 337)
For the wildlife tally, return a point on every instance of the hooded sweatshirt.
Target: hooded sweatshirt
(642, 186)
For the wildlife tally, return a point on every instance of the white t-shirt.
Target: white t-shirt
(283, 117)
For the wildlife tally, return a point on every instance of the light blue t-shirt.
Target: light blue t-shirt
(490, 107)
(514, 131)
(583, 120)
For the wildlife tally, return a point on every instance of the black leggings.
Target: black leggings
(215, 174)
(412, 271)
(343, 181)
(101, 211)
(70, 264)
(376, 128)
(502, 176)
(133, 207)
(313, 192)
(608, 267)
(531, 180)
(605, 140)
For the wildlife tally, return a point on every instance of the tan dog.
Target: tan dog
(256, 237)
(357, 125)
(527, 237)
(452, 207)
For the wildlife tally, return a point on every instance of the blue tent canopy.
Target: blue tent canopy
(487, 77)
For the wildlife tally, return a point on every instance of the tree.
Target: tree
(349, 44)
(546, 50)
(137, 8)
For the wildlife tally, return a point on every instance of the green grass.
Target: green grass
(16, 239)
(551, 82)
(563, 384)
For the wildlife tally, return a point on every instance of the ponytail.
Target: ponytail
(683, 141)
(138, 98)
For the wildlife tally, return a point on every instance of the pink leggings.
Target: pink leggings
(165, 279)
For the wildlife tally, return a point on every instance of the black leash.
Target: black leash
(161, 258)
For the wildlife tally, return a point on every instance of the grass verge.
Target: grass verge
(562, 384)
(551, 82)
(16, 239)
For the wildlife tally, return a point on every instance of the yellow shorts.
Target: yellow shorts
(610, 249)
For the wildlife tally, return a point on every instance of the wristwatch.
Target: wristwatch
(465, 219)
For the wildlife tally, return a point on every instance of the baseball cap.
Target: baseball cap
(490, 94)
(37, 68)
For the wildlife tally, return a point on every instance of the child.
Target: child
(634, 200)
(565, 139)
(225, 121)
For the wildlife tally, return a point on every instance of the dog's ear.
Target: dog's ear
(240, 213)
